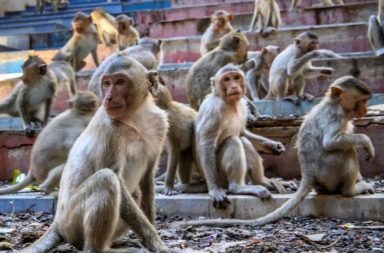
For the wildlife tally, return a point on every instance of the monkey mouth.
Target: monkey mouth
(234, 94)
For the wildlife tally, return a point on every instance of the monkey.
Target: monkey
(224, 147)
(113, 158)
(233, 48)
(32, 96)
(326, 150)
(50, 150)
(40, 5)
(267, 17)
(147, 52)
(127, 35)
(106, 27)
(293, 65)
(256, 83)
(294, 3)
(65, 76)
(220, 25)
(83, 41)
(375, 30)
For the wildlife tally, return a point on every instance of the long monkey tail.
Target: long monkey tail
(17, 187)
(288, 206)
(50, 239)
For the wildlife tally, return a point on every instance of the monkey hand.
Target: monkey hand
(368, 148)
(29, 131)
(169, 191)
(277, 148)
(220, 199)
(327, 71)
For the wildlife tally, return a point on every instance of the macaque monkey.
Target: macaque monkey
(233, 48)
(106, 27)
(294, 3)
(326, 149)
(256, 83)
(220, 25)
(65, 76)
(50, 150)
(267, 17)
(114, 157)
(224, 147)
(83, 42)
(32, 96)
(40, 5)
(376, 30)
(127, 35)
(147, 52)
(293, 65)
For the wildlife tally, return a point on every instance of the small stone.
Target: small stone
(5, 245)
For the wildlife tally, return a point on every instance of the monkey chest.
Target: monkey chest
(231, 126)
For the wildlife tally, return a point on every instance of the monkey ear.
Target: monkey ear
(153, 83)
(238, 30)
(231, 17)
(297, 42)
(159, 43)
(131, 22)
(336, 91)
(236, 40)
(264, 50)
(42, 69)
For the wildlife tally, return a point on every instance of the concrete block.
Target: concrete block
(28, 202)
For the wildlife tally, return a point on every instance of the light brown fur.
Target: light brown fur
(65, 76)
(127, 35)
(106, 27)
(266, 16)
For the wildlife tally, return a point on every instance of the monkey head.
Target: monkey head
(84, 101)
(123, 22)
(220, 19)
(268, 54)
(81, 22)
(352, 94)
(33, 69)
(235, 41)
(97, 14)
(229, 83)
(125, 85)
(152, 45)
(307, 41)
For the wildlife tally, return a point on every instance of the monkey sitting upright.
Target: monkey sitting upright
(267, 17)
(32, 96)
(50, 150)
(127, 35)
(376, 30)
(294, 3)
(326, 149)
(293, 65)
(220, 25)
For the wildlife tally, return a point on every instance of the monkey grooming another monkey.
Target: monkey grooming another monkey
(32, 95)
(293, 65)
(50, 150)
(106, 28)
(376, 30)
(127, 35)
(114, 157)
(233, 48)
(326, 149)
(267, 17)
(294, 3)
(220, 25)
(65, 76)
(256, 76)
(83, 42)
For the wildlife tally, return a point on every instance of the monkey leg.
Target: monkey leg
(53, 179)
(375, 34)
(233, 164)
(173, 160)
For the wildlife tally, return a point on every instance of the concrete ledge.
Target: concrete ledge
(364, 207)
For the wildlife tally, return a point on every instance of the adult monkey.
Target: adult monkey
(127, 35)
(326, 149)
(116, 155)
(267, 17)
(220, 25)
(293, 65)
(375, 30)
(233, 48)
(223, 145)
(50, 150)
(105, 24)
(294, 3)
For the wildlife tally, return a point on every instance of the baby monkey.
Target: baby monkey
(327, 150)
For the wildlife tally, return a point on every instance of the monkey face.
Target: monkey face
(33, 69)
(120, 26)
(354, 103)
(219, 22)
(232, 86)
(312, 45)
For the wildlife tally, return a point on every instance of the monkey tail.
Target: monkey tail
(17, 187)
(288, 206)
(50, 239)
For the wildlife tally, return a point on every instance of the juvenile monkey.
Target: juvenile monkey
(32, 96)
(294, 3)
(267, 17)
(147, 52)
(114, 157)
(376, 30)
(223, 145)
(83, 42)
(65, 76)
(50, 150)
(326, 149)
(293, 65)
(220, 25)
(40, 5)
(256, 83)
(233, 48)
(127, 35)
(105, 26)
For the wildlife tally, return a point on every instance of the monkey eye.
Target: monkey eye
(237, 77)
(120, 81)
(106, 83)
(226, 79)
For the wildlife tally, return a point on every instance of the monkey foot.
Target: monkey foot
(380, 52)
(307, 96)
(294, 99)
(220, 198)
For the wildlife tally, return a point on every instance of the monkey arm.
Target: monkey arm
(147, 187)
(23, 108)
(333, 141)
(294, 65)
(264, 144)
(313, 72)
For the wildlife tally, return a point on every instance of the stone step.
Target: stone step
(363, 207)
